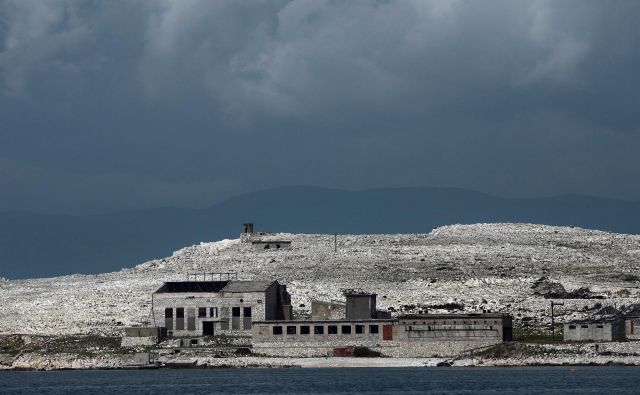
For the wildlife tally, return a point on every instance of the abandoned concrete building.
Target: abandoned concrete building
(607, 324)
(205, 308)
(603, 330)
(262, 240)
(365, 326)
(485, 326)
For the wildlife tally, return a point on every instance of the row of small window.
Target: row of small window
(319, 329)
(585, 326)
(444, 323)
(450, 327)
(202, 312)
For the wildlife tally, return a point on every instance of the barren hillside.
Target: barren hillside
(491, 267)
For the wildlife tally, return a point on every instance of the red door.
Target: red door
(387, 332)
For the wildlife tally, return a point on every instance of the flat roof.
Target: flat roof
(450, 316)
(247, 286)
(604, 320)
(214, 286)
(271, 242)
(191, 286)
(311, 322)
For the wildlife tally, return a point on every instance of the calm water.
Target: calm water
(533, 380)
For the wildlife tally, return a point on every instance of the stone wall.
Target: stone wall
(396, 349)
(138, 341)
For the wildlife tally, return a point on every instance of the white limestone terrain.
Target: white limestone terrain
(481, 267)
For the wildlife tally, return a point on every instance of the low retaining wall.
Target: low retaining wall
(391, 349)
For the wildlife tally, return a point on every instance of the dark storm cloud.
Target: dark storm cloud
(108, 105)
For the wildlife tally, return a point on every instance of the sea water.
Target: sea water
(523, 380)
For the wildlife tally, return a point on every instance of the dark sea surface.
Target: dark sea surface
(525, 380)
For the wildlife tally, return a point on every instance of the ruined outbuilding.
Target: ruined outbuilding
(598, 330)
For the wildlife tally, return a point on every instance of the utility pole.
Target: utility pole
(335, 243)
(553, 322)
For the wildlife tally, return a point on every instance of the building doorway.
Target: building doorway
(387, 332)
(207, 328)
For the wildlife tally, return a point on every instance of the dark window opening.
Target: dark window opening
(266, 246)
(180, 312)
(247, 311)
(291, 330)
(277, 330)
(373, 329)
(572, 327)
(600, 326)
(277, 246)
(346, 329)
(168, 313)
(318, 330)
(304, 329)
(213, 312)
(332, 329)
(584, 326)
(235, 311)
(202, 312)
(359, 329)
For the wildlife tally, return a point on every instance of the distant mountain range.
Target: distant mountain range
(40, 245)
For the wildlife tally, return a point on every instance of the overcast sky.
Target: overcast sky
(109, 105)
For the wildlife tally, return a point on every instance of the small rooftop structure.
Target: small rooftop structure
(360, 305)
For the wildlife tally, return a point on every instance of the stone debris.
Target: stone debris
(468, 268)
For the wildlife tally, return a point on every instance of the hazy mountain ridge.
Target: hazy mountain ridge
(34, 245)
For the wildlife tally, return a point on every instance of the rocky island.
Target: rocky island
(77, 321)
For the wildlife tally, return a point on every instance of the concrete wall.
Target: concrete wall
(263, 305)
(321, 310)
(360, 307)
(453, 328)
(399, 345)
(312, 344)
(599, 331)
(269, 246)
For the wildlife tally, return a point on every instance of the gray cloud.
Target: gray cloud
(185, 102)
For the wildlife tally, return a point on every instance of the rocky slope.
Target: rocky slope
(491, 267)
